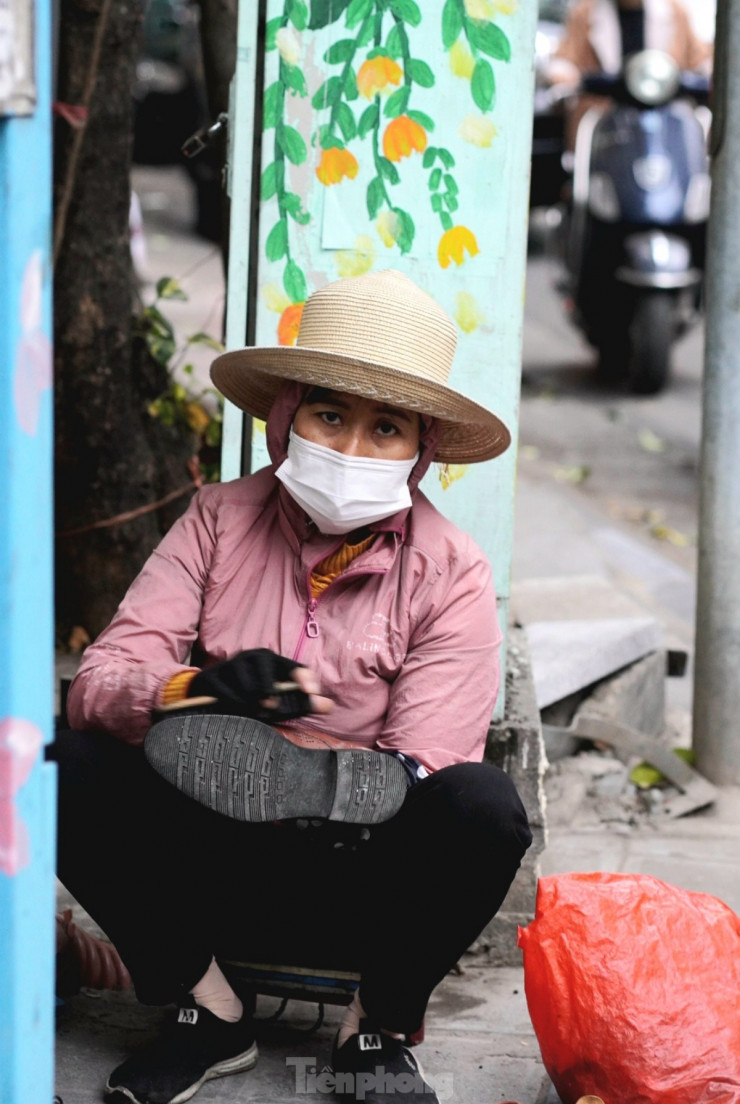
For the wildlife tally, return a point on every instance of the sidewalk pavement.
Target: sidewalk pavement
(479, 1046)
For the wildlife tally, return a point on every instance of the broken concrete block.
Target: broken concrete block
(515, 744)
(569, 655)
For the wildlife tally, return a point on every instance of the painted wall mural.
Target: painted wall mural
(373, 118)
(20, 744)
(397, 134)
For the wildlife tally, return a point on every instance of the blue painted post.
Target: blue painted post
(27, 789)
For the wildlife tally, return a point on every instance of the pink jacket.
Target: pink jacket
(405, 641)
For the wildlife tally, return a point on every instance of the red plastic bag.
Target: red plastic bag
(633, 988)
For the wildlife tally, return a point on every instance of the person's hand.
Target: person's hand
(257, 683)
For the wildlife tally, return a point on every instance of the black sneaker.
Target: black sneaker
(377, 1069)
(248, 771)
(196, 1047)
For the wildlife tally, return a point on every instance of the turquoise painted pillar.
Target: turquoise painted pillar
(397, 134)
(27, 790)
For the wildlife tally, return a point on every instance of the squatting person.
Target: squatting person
(321, 795)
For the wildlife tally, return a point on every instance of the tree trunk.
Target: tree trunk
(111, 456)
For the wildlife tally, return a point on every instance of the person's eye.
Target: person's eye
(388, 429)
(330, 417)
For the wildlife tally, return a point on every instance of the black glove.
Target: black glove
(240, 684)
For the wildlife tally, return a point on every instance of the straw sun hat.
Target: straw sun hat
(379, 336)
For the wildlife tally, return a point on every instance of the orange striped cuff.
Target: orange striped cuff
(177, 687)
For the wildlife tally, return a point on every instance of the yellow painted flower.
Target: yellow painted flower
(402, 136)
(357, 261)
(288, 45)
(289, 324)
(377, 75)
(388, 226)
(275, 298)
(478, 130)
(450, 473)
(467, 313)
(462, 62)
(335, 165)
(506, 7)
(454, 244)
(480, 9)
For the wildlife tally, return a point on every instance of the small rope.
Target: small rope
(129, 515)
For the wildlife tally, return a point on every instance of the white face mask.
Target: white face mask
(341, 493)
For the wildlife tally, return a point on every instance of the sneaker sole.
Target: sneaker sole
(247, 771)
(118, 1094)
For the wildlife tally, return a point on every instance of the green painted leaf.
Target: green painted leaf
(483, 85)
(292, 204)
(396, 103)
(429, 155)
(446, 221)
(451, 185)
(350, 85)
(388, 170)
(370, 29)
(271, 30)
(340, 51)
(324, 12)
(294, 79)
(272, 106)
(489, 39)
(407, 10)
(450, 202)
(326, 93)
(268, 185)
(452, 23)
(420, 72)
(329, 140)
(435, 178)
(446, 158)
(346, 121)
(406, 230)
(294, 283)
(292, 144)
(276, 245)
(378, 51)
(368, 120)
(394, 42)
(297, 12)
(169, 288)
(422, 119)
(436, 201)
(357, 11)
(375, 197)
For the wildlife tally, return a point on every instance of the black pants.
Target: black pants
(172, 883)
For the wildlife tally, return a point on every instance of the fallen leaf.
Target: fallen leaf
(650, 441)
(667, 533)
(576, 473)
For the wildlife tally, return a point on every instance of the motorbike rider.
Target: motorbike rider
(600, 34)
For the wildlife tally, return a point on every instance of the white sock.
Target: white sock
(214, 993)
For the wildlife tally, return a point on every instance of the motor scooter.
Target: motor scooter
(635, 228)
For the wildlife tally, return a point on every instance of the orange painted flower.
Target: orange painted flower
(336, 164)
(403, 136)
(289, 324)
(454, 244)
(376, 75)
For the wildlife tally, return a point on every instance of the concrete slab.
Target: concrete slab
(570, 598)
(568, 655)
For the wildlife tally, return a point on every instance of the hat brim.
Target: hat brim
(251, 378)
